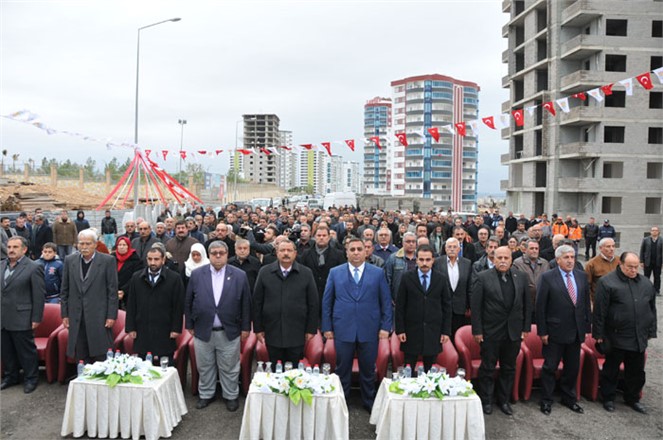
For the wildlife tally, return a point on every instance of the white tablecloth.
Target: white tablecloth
(274, 416)
(152, 409)
(401, 417)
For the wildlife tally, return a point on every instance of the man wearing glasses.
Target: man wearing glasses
(218, 314)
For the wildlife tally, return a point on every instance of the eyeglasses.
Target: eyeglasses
(218, 253)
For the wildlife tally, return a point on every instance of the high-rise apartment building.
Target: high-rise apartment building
(351, 177)
(334, 174)
(377, 122)
(313, 170)
(601, 159)
(261, 131)
(288, 162)
(445, 170)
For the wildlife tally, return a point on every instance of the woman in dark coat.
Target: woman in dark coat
(128, 263)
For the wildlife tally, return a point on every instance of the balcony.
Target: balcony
(583, 46)
(587, 184)
(582, 12)
(504, 185)
(583, 115)
(583, 80)
(505, 158)
(579, 150)
(506, 5)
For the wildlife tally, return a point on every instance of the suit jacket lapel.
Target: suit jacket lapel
(226, 285)
(3, 267)
(497, 282)
(17, 271)
(76, 269)
(561, 284)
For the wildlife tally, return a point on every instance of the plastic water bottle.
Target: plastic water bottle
(407, 371)
(316, 370)
(279, 367)
(309, 370)
(80, 368)
(421, 371)
(117, 354)
(109, 354)
(149, 357)
(300, 365)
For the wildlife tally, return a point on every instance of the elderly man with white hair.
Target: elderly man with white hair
(89, 300)
(602, 264)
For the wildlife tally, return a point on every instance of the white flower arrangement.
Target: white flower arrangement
(122, 369)
(296, 384)
(437, 385)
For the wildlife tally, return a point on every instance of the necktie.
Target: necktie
(424, 284)
(153, 278)
(356, 275)
(504, 277)
(285, 273)
(569, 287)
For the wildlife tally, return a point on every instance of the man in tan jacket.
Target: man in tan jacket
(602, 264)
(65, 235)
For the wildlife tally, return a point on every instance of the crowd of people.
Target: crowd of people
(355, 276)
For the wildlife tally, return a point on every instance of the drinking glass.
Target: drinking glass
(268, 367)
(288, 366)
(261, 368)
(433, 369)
(326, 369)
(395, 376)
(461, 373)
(164, 363)
(443, 370)
(401, 374)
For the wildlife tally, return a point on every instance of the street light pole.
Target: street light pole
(136, 102)
(236, 161)
(182, 123)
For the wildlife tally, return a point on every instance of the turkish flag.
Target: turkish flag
(489, 121)
(461, 128)
(645, 81)
(164, 153)
(202, 152)
(350, 143)
(519, 116)
(244, 151)
(266, 151)
(219, 152)
(402, 138)
(147, 153)
(435, 132)
(285, 147)
(581, 96)
(183, 154)
(550, 107)
(607, 89)
(327, 146)
(307, 146)
(376, 141)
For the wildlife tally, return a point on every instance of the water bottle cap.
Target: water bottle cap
(149, 352)
(279, 361)
(407, 366)
(316, 366)
(117, 351)
(80, 362)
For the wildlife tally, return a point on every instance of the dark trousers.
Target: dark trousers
(285, 354)
(367, 353)
(553, 353)
(634, 374)
(506, 352)
(590, 243)
(656, 270)
(19, 351)
(413, 358)
(457, 321)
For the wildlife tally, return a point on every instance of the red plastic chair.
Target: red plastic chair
(532, 348)
(381, 362)
(313, 349)
(65, 361)
(46, 340)
(469, 354)
(448, 358)
(592, 368)
(245, 360)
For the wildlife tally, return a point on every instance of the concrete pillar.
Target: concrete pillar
(81, 178)
(26, 171)
(54, 175)
(108, 180)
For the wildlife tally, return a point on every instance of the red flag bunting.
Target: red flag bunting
(307, 146)
(402, 138)
(350, 143)
(164, 153)
(550, 107)
(202, 151)
(327, 146)
(219, 152)
(607, 89)
(519, 116)
(183, 154)
(285, 147)
(581, 96)
(147, 153)
(435, 132)
(489, 121)
(265, 151)
(376, 141)
(461, 128)
(244, 152)
(645, 81)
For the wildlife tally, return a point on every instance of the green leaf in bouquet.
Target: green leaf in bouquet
(135, 379)
(154, 373)
(113, 379)
(307, 396)
(295, 395)
(438, 394)
(394, 388)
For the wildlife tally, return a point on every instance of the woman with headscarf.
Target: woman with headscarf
(128, 263)
(197, 258)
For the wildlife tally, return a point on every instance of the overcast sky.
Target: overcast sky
(313, 63)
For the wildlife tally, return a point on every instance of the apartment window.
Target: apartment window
(616, 28)
(611, 205)
(613, 170)
(655, 99)
(652, 205)
(519, 90)
(654, 170)
(615, 63)
(656, 62)
(520, 61)
(541, 80)
(617, 99)
(541, 50)
(613, 135)
(656, 135)
(657, 28)
(541, 19)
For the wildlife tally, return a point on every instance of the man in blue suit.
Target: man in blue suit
(218, 314)
(562, 317)
(356, 312)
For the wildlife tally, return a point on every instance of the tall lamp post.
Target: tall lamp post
(136, 102)
(236, 161)
(182, 123)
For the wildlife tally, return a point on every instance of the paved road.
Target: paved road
(39, 415)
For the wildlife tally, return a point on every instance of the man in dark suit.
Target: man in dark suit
(89, 300)
(423, 311)
(458, 274)
(286, 305)
(466, 249)
(217, 312)
(23, 294)
(501, 318)
(651, 257)
(41, 234)
(321, 258)
(563, 318)
(356, 311)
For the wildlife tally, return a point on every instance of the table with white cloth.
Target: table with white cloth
(151, 409)
(398, 416)
(269, 415)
